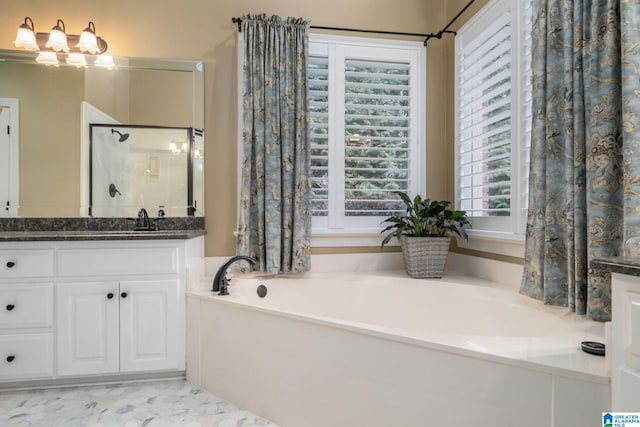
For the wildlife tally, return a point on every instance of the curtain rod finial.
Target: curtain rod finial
(239, 22)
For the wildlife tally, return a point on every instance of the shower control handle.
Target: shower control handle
(11, 358)
(10, 307)
(11, 264)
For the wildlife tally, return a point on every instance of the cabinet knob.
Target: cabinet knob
(10, 307)
(10, 264)
(11, 358)
(110, 295)
(123, 295)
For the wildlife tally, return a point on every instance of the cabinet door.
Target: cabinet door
(87, 328)
(150, 326)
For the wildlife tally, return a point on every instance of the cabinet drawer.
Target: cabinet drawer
(26, 356)
(26, 305)
(117, 261)
(26, 263)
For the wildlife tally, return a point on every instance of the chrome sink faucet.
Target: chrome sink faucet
(220, 281)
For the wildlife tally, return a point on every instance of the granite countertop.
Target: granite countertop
(61, 229)
(617, 264)
(79, 235)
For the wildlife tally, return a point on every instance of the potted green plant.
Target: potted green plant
(425, 233)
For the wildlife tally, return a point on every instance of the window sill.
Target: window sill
(507, 244)
(348, 239)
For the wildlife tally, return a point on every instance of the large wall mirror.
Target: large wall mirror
(51, 110)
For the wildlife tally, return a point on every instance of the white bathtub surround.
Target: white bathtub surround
(504, 273)
(380, 349)
(364, 262)
(152, 404)
(499, 272)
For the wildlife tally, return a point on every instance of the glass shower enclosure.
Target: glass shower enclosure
(151, 167)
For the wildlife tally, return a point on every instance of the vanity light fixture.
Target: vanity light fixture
(58, 38)
(26, 38)
(88, 40)
(59, 41)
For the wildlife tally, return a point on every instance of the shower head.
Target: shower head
(123, 136)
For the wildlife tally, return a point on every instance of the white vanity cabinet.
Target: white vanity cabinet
(625, 375)
(26, 314)
(93, 310)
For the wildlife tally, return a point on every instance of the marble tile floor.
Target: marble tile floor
(149, 404)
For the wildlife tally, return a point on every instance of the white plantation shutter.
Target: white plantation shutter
(318, 75)
(377, 136)
(484, 124)
(493, 100)
(525, 113)
(365, 103)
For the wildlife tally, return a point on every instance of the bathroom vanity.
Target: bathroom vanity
(625, 330)
(78, 306)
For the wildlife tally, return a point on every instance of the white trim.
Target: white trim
(495, 228)
(88, 115)
(240, 114)
(337, 230)
(13, 104)
(364, 41)
(349, 239)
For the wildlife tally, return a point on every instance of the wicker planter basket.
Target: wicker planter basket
(425, 256)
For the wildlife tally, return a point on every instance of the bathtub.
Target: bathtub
(381, 349)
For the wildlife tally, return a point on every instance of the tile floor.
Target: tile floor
(149, 404)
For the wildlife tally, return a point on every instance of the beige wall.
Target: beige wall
(202, 30)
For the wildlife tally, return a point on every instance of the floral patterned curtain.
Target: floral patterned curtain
(583, 191)
(275, 199)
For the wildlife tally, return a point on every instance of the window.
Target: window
(493, 116)
(366, 101)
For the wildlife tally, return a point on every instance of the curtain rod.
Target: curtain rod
(429, 36)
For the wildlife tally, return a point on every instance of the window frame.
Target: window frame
(502, 234)
(331, 231)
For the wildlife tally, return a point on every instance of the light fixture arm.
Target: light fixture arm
(58, 28)
(26, 25)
